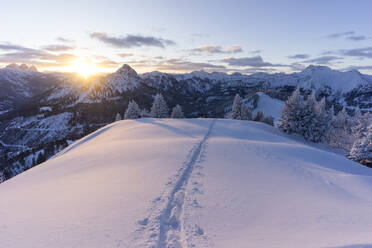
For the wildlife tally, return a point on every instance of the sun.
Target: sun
(84, 67)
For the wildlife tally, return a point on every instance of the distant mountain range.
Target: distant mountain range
(44, 111)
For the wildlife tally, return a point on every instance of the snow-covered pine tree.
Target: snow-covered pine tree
(259, 116)
(341, 135)
(362, 148)
(322, 123)
(159, 107)
(145, 113)
(133, 111)
(236, 108)
(292, 113)
(177, 112)
(2, 177)
(357, 115)
(361, 127)
(269, 120)
(118, 117)
(309, 122)
(246, 113)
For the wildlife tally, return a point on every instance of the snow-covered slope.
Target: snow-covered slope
(269, 106)
(188, 183)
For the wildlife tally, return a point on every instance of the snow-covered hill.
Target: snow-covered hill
(188, 183)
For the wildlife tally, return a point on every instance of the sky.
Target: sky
(245, 36)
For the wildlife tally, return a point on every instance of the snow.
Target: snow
(269, 106)
(45, 109)
(4, 111)
(188, 183)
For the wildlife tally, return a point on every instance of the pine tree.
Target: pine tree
(118, 117)
(321, 123)
(361, 128)
(133, 111)
(177, 112)
(259, 116)
(269, 120)
(357, 115)
(159, 107)
(236, 108)
(292, 113)
(362, 148)
(2, 177)
(145, 113)
(341, 134)
(309, 122)
(246, 113)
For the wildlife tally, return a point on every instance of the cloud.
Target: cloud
(323, 60)
(255, 61)
(125, 55)
(12, 47)
(107, 63)
(256, 51)
(342, 34)
(357, 37)
(349, 35)
(62, 39)
(299, 56)
(57, 48)
(131, 40)
(234, 49)
(297, 66)
(216, 50)
(20, 54)
(362, 67)
(364, 52)
(174, 65)
(184, 65)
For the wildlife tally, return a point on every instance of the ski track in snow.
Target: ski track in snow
(166, 225)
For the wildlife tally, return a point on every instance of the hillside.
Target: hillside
(188, 183)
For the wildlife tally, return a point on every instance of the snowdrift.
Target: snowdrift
(189, 183)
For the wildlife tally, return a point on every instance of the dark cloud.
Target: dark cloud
(131, 40)
(342, 34)
(12, 47)
(364, 52)
(323, 60)
(299, 56)
(256, 61)
(216, 50)
(20, 54)
(357, 37)
(349, 35)
(57, 48)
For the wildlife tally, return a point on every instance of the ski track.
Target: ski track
(164, 227)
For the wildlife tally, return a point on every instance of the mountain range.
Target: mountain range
(43, 112)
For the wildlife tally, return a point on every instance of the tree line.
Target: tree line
(159, 109)
(312, 119)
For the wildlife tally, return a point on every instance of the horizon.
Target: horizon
(178, 73)
(251, 36)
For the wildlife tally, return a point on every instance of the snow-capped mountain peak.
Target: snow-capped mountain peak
(126, 70)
